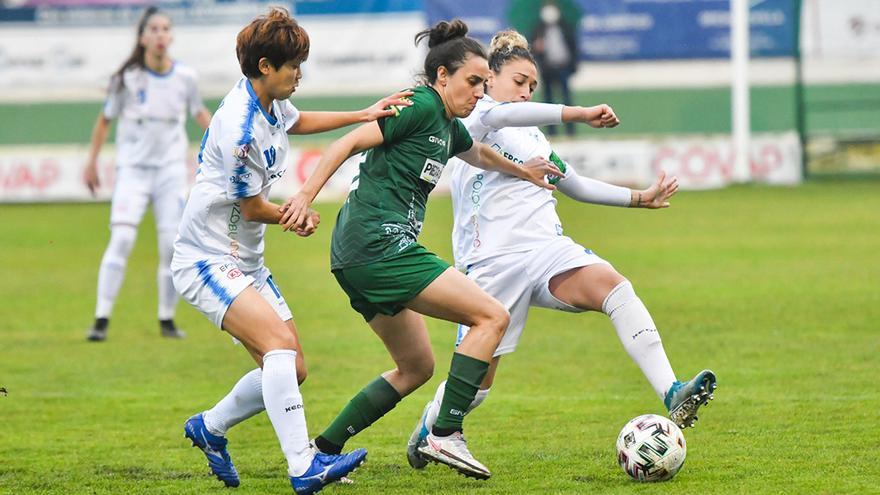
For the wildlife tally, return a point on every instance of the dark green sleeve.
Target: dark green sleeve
(403, 124)
(461, 139)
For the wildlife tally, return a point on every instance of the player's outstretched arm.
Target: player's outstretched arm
(314, 122)
(482, 156)
(296, 208)
(99, 136)
(599, 116)
(656, 196)
(530, 114)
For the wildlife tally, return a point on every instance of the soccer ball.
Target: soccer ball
(651, 448)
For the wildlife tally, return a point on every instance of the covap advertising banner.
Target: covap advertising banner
(635, 29)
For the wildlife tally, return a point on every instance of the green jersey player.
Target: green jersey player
(389, 277)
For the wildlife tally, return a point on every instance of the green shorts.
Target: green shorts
(384, 286)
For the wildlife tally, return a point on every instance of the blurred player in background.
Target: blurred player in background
(218, 262)
(150, 94)
(508, 237)
(391, 279)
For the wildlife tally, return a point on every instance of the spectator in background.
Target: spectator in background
(554, 46)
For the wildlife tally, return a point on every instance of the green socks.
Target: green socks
(370, 404)
(465, 376)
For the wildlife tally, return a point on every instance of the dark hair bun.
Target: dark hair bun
(444, 31)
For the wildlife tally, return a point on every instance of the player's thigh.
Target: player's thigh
(406, 338)
(253, 321)
(169, 196)
(131, 195)
(454, 297)
(585, 287)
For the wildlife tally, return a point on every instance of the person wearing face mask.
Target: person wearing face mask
(218, 263)
(391, 279)
(508, 238)
(150, 95)
(555, 49)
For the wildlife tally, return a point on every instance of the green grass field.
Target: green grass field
(776, 289)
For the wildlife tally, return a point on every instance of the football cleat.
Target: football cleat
(97, 334)
(170, 330)
(325, 469)
(684, 398)
(413, 456)
(213, 447)
(452, 450)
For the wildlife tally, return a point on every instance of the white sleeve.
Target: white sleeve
(243, 165)
(193, 99)
(523, 114)
(587, 190)
(115, 97)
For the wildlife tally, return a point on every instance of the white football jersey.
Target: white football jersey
(243, 152)
(496, 213)
(151, 109)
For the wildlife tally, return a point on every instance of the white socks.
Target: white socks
(242, 402)
(112, 270)
(167, 294)
(639, 336)
(434, 410)
(284, 405)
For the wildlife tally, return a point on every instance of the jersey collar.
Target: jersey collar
(256, 101)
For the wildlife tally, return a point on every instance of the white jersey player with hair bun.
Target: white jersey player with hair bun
(150, 97)
(508, 237)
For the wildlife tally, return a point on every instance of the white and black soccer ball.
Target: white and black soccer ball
(651, 448)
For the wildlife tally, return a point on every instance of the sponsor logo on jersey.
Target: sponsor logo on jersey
(436, 140)
(431, 171)
(241, 152)
(293, 408)
(234, 273)
(506, 154)
(235, 179)
(270, 156)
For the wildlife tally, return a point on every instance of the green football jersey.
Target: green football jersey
(385, 209)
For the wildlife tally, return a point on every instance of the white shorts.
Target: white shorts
(137, 187)
(522, 280)
(212, 284)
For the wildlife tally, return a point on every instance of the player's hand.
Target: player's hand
(601, 116)
(294, 212)
(90, 178)
(385, 106)
(311, 225)
(536, 169)
(656, 196)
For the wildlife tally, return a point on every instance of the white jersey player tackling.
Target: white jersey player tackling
(150, 95)
(508, 237)
(218, 255)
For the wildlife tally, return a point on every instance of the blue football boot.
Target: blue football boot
(419, 434)
(214, 448)
(325, 469)
(684, 398)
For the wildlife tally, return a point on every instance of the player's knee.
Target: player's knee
(279, 338)
(498, 319)
(301, 372)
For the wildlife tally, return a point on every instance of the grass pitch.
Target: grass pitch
(775, 289)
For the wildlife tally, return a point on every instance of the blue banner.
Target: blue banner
(115, 12)
(635, 29)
